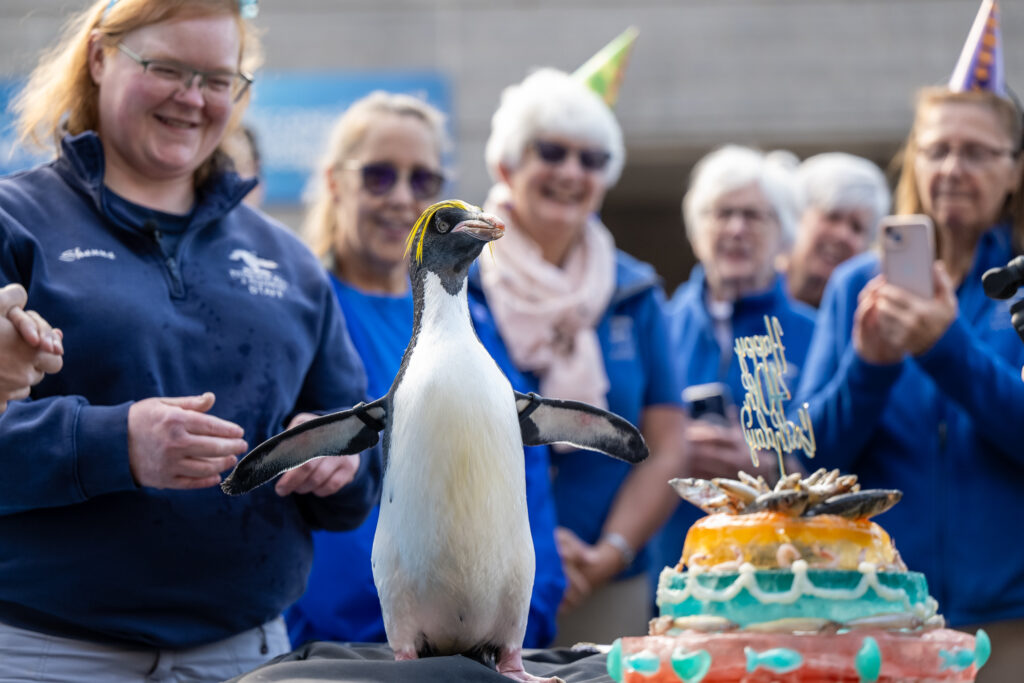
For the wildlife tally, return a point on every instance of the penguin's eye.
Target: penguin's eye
(442, 226)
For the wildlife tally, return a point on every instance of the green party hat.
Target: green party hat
(603, 72)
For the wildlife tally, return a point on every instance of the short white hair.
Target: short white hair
(734, 167)
(551, 102)
(840, 181)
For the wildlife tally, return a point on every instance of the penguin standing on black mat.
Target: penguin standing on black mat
(452, 557)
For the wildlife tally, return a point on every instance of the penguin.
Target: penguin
(453, 556)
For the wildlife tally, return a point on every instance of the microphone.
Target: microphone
(1002, 283)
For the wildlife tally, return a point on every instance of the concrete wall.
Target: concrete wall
(807, 75)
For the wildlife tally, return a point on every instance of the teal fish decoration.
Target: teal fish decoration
(780, 660)
(614, 661)
(645, 662)
(691, 667)
(982, 648)
(868, 661)
(959, 659)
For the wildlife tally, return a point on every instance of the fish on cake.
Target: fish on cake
(453, 557)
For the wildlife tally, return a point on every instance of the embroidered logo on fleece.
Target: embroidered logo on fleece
(77, 254)
(256, 274)
(621, 338)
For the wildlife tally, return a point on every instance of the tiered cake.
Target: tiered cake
(793, 583)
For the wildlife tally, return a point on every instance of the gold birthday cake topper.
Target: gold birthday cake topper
(763, 416)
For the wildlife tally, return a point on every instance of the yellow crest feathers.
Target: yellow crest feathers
(419, 229)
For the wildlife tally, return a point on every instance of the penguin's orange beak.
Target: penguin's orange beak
(485, 227)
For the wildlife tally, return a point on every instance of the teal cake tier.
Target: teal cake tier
(752, 596)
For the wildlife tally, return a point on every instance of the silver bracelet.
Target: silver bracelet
(619, 542)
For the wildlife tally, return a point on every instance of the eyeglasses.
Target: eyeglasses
(971, 155)
(217, 86)
(555, 153)
(380, 177)
(749, 214)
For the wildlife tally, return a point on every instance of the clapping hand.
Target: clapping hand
(174, 444)
(29, 346)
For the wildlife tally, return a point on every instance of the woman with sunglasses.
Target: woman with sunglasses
(120, 557)
(923, 393)
(381, 170)
(584, 321)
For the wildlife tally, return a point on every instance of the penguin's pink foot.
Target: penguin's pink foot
(510, 665)
(404, 655)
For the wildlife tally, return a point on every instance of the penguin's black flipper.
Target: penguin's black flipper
(549, 420)
(343, 433)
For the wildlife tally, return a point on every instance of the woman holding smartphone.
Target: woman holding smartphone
(922, 393)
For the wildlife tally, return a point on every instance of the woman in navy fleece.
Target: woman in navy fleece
(119, 555)
(382, 169)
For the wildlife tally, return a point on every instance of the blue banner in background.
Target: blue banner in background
(14, 157)
(291, 114)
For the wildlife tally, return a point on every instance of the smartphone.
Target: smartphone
(708, 401)
(908, 251)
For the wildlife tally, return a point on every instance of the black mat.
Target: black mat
(367, 663)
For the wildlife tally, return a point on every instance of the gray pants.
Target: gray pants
(32, 656)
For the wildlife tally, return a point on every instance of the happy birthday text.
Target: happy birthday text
(763, 368)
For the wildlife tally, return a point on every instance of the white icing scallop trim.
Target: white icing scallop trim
(801, 586)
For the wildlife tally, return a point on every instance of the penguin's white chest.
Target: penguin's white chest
(453, 534)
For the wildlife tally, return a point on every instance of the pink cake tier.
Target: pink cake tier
(860, 656)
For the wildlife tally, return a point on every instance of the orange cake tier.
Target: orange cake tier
(771, 540)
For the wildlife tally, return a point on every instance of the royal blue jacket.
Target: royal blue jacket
(699, 360)
(634, 343)
(243, 310)
(349, 609)
(946, 427)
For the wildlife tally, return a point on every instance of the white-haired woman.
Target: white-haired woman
(739, 212)
(382, 168)
(585, 321)
(841, 197)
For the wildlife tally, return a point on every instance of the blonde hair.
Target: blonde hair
(60, 96)
(907, 199)
(348, 133)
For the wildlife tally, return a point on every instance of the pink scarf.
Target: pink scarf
(547, 315)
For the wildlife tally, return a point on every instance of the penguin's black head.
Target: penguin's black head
(449, 235)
